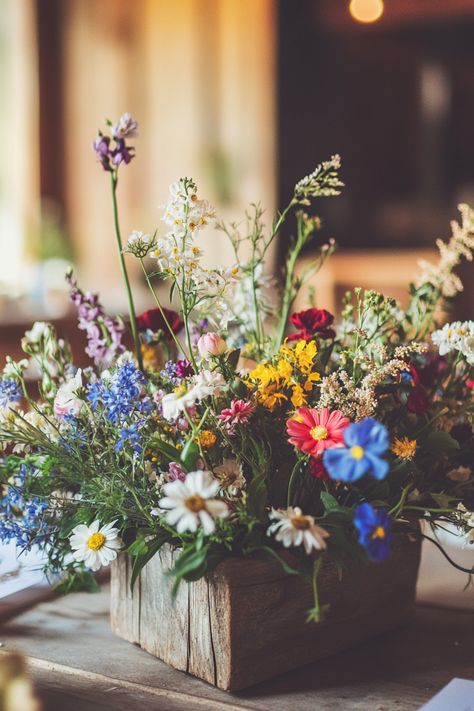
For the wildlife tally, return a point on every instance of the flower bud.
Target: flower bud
(211, 344)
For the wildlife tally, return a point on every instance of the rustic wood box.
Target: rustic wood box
(246, 622)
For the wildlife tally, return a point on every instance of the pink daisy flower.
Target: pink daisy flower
(312, 431)
(238, 413)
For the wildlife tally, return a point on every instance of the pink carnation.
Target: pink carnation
(313, 431)
(238, 413)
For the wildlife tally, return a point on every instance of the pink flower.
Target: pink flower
(238, 413)
(211, 344)
(175, 472)
(312, 431)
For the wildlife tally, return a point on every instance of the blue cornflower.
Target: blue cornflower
(10, 391)
(366, 442)
(374, 528)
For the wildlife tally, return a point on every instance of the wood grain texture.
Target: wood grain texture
(246, 622)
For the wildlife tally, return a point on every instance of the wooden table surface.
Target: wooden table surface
(78, 665)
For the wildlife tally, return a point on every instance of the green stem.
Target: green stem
(398, 507)
(291, 482)
(131, 307)
(161, 310)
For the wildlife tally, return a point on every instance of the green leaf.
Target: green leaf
(188, 563)
(166, 449)
(233, 358)
(329, 501)
(141, 559)
(189, 455)
(440, 443)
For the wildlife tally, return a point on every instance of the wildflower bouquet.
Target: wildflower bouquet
(236, 426)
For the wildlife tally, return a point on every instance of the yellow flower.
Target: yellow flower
(404, 448)
(207, 439)
(311, 378)
(298, 399)
(285, 370)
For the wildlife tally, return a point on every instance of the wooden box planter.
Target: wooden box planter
(246, 621)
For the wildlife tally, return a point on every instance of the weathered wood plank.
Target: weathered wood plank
(246, 621)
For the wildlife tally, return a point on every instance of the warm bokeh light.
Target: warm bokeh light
(366, 10)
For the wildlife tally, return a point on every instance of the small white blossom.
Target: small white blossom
(293, 528)
(140, 244)
(67, 401)
(94, 545)
(125, 126)
(191, 503)
(39, 330)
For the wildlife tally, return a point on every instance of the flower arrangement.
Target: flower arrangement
(236, 427)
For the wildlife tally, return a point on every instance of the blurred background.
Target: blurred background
(246, 96)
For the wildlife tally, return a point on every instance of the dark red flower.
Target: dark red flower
(311, 322)
(417, 402)
(433, 370)
(317, 469)
(152, 320)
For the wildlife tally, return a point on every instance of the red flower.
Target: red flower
(152, 320)
(470, 384)
(311, 322)
(312, 431)
(317, 469)
(417, 402)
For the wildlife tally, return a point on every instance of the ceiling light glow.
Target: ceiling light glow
(366, 11)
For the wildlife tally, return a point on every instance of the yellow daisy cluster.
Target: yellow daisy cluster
(289, 377)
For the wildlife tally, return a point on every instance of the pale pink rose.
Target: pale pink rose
(211, 344)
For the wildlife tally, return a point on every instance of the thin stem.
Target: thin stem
(161, 310)
(131, 306)
(291, 482)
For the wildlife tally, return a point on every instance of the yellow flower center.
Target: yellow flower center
(300, 522)
(96, 541)
(195, 503)
(357, 452)
(379, 532)
(318, 433)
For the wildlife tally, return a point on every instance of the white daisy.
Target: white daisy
(95, 546)
(293, 528)
(191, 502)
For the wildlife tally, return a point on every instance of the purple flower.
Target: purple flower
(104, 334)
(183, 369)
(125, 126)
(101, 146)
(122, 153)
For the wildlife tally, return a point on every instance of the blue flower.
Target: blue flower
(374, 528)
(10, 391)
(131, 436)
(20, 519)
(119, 395)
(365, 442)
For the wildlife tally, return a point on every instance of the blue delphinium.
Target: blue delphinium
(10, 392)
(130, 435)
(119, 395)
(22, 520)
(366, 442)
(374, 528)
